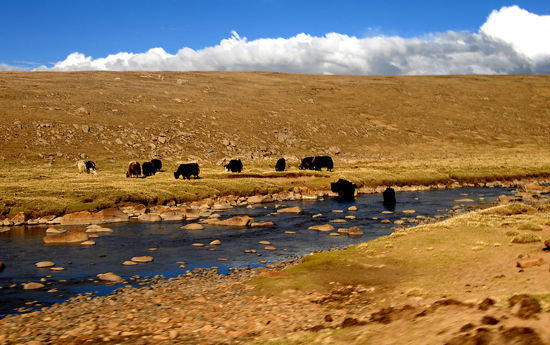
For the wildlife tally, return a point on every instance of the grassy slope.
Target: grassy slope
(388, 130)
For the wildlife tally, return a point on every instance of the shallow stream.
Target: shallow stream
(21, 248)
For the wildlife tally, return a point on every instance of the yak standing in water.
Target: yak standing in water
(389, 198)
(345, 189)
(280, 165)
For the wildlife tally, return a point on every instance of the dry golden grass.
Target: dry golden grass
(387, 130)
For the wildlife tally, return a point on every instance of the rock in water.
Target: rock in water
(294, 209)
(109, 277)
(142, 259)
(44, 264)
(322, 228)
(236, 221)
(69, 237)
(193, 226)
(32, 286)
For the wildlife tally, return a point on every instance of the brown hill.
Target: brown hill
(210, 115)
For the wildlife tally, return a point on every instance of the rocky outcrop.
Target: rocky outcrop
(66, 238)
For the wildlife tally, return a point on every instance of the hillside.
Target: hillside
(211, 115)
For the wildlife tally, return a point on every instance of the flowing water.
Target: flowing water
(21, 248)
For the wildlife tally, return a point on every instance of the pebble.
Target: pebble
(216, 243)
(352, 208)
(317, 215)
(57, 269)
(290, 232)
(271, 248)
(265, 243)
(198, 245)
(129, 263)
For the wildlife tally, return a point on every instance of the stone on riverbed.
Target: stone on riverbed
(44, 264)
(294, 209)
(142, 259)
(352, 208)
(172, 216)
(264, 243)
(259, 224)
(149, 217)
(32, 286)
(240, 221)
(57, 269)
(129, 263)
(192, 226)
(338, 221)
(322, 228)
(109, 277)
(109, 215)
(216, 243)
(52, 230)
(88, 243)
(69, 237)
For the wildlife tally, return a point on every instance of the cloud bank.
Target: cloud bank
(511, 41)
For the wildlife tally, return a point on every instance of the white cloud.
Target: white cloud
(511, 41)
(528, 33)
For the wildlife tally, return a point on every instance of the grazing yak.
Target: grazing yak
(323, 162)
(134, 169)
(148, 169)
(316, 163)
(389, 198)
(157, 163)
(345, 189)
(86, 166)
(235, 165)
(187, 170)
(307, 163)
(280, 165)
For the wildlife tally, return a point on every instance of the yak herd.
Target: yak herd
(344, 188)
(188, 170)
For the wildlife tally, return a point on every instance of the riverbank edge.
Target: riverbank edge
(192, 209)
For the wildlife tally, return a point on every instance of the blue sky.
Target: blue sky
(43, 32)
